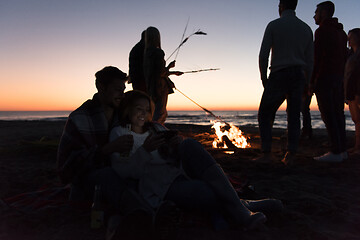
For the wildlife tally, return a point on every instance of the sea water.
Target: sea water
(238, 118)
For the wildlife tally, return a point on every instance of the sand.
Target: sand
(322, 200)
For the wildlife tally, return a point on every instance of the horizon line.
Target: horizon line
(171, 110)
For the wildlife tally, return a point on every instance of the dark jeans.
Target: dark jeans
(305, 111)
(194, 193)
(331, 105)
(286, 84)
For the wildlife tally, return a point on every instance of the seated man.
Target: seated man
(84, 149)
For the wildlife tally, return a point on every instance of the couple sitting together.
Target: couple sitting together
(111, 141)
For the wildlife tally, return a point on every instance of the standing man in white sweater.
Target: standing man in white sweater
(291, 43)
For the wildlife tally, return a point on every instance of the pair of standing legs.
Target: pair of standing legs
(331, 105)
(286, 84)
(305, 111)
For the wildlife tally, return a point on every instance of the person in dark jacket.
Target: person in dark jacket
(352, 84)
(84, 150)
(330, 48)
(136, 68)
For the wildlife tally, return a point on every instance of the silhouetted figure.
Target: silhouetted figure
(158, 83)
(84, 149)
(352, 84)
(327, 79)
(291, 43)
(136, 67)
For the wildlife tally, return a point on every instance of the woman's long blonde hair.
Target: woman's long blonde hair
(152, 38)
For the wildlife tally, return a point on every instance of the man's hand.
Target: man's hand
(121, 144)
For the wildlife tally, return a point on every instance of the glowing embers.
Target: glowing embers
(228, 136)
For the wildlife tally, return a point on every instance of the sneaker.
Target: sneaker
(330, 157)
(344, 155)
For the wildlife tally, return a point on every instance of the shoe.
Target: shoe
(329, 157)
(344, 155)
(289, 158)
(264, 205)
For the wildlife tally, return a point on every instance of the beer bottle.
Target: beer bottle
(97, 211)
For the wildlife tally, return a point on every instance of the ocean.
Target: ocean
(238, 118)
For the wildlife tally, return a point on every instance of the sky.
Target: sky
(50, 49)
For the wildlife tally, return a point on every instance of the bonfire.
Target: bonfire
(228, 136)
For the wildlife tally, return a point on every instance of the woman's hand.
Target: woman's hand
(177, 73)
(153, 142)
(171, 65)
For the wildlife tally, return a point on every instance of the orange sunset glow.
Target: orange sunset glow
(51, 50)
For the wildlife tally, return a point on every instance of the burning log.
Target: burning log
(228, 142)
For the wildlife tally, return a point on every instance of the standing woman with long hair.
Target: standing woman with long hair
(352, 84)
(157, 74)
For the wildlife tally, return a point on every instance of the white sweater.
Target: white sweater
(291, 43)
(154, 173)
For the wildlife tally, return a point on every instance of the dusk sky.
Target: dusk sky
(50, 50)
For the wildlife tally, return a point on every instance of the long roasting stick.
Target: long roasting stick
(206, 110)
(198, 32)
(182, 38)
(203, 70)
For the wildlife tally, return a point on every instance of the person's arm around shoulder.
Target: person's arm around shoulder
(74, 156)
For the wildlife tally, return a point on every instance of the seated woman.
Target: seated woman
(169, 168)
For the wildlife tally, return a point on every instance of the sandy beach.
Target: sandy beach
(322, 200)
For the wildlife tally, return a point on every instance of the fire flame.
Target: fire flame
(234, 134)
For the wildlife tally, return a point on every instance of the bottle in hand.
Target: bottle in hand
(97, 211)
